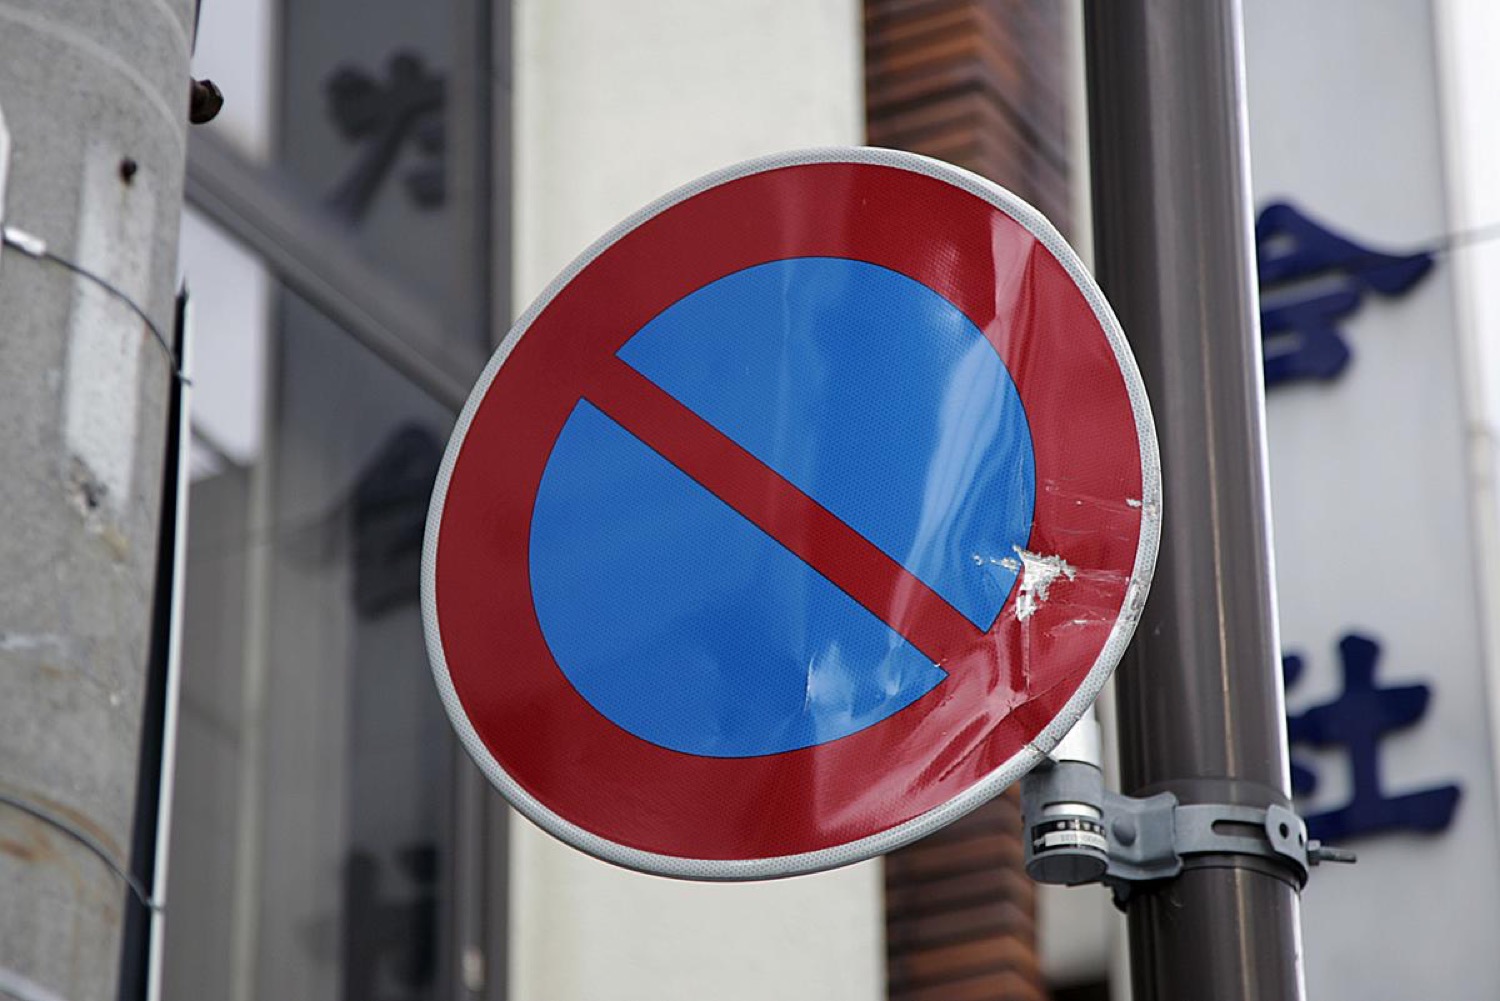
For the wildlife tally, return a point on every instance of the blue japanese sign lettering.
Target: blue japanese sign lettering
(1310, 279)
(1356, 722)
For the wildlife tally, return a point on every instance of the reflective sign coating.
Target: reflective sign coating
(692, 628)
(801, 515)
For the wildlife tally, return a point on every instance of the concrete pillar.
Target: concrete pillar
(95, 95)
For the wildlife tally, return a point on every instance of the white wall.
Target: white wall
(619, 102)
(229, 287)
(1372, 494)
(1468, 38)
(615, 104)
(234, 48)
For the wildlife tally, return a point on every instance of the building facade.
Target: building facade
(390, 183)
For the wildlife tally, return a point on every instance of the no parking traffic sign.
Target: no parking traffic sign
(799, 516)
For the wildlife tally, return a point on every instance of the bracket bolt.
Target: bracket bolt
(1317, 853)
(204, 102)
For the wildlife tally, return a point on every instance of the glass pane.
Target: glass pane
(366, 115)
(313, 826)
(359, 752)
(313, 818)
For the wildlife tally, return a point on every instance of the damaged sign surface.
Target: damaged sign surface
(802, 514)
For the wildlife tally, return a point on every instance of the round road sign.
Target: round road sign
(803, 513)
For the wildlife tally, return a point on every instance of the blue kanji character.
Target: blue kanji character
(1304, 779)
(1310, 278)
(1356, 721)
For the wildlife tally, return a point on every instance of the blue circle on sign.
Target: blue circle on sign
(687, 625)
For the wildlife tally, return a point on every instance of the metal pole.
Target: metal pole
(1200, 697)
(95, 95)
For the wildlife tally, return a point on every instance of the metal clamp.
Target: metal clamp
(1079, 832)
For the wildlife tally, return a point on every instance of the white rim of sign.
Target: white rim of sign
(4, 172)
(992, 784)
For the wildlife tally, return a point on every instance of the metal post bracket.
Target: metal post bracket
(1274, 833)
(1152, 838)
(1142, 837)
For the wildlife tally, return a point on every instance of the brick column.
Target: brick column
(981, 84)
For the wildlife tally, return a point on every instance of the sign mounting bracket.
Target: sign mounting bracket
(1079, 832)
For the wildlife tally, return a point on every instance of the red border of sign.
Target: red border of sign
(1004, 688)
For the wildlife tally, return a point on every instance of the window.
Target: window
(328, 837)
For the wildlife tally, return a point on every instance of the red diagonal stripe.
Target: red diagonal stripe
(801, 524)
